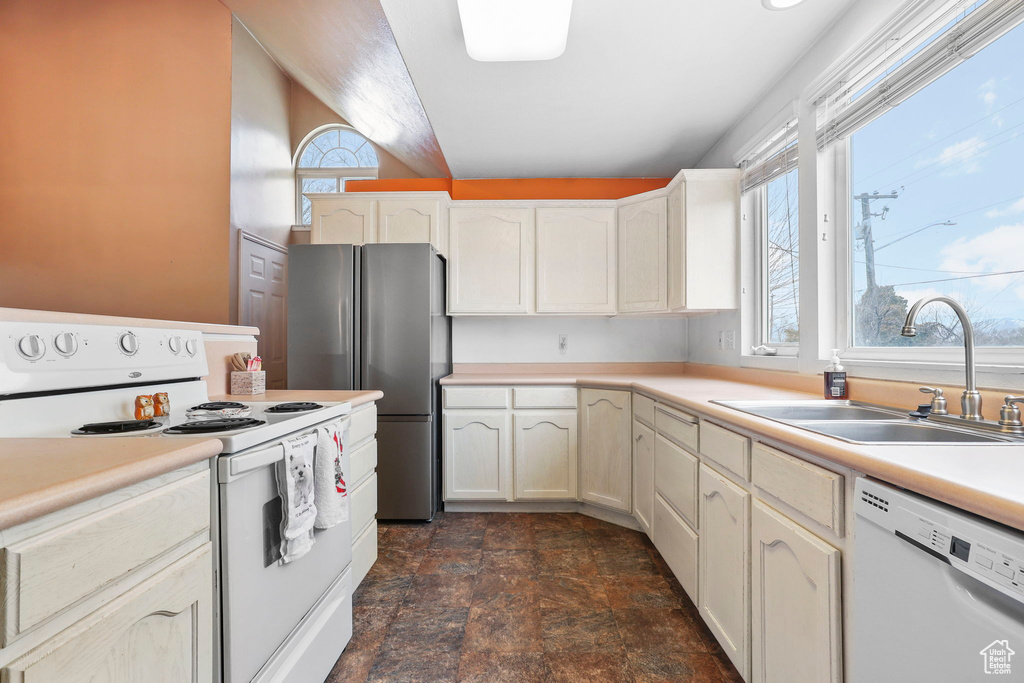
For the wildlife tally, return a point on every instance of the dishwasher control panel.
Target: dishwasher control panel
(954, 538)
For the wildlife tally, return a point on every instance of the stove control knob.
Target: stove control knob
(66, 344)
(128, 343)
(31, 347)
(174, 344)
(191, 347)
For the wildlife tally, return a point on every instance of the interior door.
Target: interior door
(263, 298)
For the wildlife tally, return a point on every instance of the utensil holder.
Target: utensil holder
(249, 382)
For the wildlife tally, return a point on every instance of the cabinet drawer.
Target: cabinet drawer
(362, 425)
(364, 553)
(476, 397)
(675, 475)
(362, 462)
(678, 426)
(812, 490)
(544, 397)
(45, 574)
(728, 449)
(643, 409)
(364, 504)
(677, 543)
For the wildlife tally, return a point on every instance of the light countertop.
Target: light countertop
(356, 398)
(40, 476)
(987, 480)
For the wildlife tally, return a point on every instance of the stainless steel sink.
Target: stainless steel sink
(896, 432)
(792, 411)
(864, 423)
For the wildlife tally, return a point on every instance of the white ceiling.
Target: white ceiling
(645, 87)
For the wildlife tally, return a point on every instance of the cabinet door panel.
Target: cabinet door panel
(576, 260)
(409, 221)
(795, 607)
(476, 456)
(724, 565)
(491, 260)
(643, 475)
(677, 543)
(160, 631)
(545, 455)
(344, 221)
(643, 245)
(606, 428)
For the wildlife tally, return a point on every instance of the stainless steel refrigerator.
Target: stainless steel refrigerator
(374, 317)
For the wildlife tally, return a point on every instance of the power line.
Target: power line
(963, 277)
(925, 270)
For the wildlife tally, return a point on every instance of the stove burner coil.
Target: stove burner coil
(220, 405)
(117, 427)
(293, 407)
(225, 424)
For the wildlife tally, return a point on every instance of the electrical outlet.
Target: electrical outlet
(730, 340)
(563, 344)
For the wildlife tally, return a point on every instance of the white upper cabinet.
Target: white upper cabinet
(576, 260)
(343, 221)
(643, 241)
(703, 240)
(490, 267)
(413, 220)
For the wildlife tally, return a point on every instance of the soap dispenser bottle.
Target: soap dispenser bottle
(835, 378)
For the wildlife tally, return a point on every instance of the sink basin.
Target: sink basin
(861, 422)
(895, 432)
(802, 411)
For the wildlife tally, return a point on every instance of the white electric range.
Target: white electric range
(276, 622)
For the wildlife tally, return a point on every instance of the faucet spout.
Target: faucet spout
(970, 402)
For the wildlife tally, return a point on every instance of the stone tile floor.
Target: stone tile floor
(494, 597)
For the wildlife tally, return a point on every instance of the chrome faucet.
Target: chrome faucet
(970, 402)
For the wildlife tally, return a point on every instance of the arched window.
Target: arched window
(328, 158)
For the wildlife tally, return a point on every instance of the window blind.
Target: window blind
(911, 58)
(773, 158)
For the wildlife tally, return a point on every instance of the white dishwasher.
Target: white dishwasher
(938, 593)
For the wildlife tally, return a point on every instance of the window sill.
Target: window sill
(989, 375)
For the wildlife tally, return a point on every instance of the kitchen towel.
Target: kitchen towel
(332, 505)
(295, 486)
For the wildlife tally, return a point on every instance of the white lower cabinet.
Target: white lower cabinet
(643, 475)
(796, 612)
(477, 455)
(677, 542)
(545, 455)
(725, 565)
(605, 448)
(159, 631)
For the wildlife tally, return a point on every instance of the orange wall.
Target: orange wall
(518, 188)
(115, 124)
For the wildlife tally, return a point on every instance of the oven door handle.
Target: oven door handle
(237, 465)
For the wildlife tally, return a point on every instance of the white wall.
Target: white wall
(591, 340)
(851, 29)
(262, 178)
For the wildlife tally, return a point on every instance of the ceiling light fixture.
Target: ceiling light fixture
(780, 4)
(515, 30)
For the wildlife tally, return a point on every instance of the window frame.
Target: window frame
(340, 173)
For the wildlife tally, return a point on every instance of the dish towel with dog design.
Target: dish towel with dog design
(295, 485)
(332, 505)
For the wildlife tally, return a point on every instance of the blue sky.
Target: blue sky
(953, 152)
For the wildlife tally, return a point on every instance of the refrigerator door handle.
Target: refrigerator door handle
(358, 364)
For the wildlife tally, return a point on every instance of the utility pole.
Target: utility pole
(864, 231)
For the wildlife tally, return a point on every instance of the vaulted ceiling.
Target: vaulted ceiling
(644, 88)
